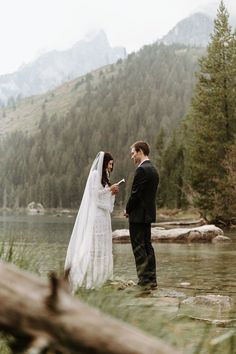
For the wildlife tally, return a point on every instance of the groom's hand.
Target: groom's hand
(114, 189)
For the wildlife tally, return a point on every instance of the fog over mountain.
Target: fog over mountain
(195, 29)
(55, 67)
(94, 51)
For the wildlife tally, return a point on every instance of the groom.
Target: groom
(141, 211)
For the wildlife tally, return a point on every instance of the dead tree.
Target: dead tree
(45, 318)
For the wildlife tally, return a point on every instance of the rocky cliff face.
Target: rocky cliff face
(193, 30)
(56, 67)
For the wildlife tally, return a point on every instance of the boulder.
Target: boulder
(121, 235)
(205, 233)
(35, 208)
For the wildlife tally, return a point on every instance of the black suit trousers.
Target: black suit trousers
(140, 235)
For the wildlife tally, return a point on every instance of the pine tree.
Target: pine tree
(225, 203)
(171, 174)
(212, 119)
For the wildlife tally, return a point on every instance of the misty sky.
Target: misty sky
(28, 28)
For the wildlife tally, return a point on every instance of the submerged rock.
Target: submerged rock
(208, 306)
(224, 302)
(221, 238)
(205, 233)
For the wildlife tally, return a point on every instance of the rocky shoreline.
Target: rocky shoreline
(212, 309)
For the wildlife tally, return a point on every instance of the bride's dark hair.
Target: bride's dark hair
(105, 176)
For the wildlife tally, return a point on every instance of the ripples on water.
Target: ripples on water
(205, 268)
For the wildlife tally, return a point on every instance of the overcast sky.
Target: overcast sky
(28, 28)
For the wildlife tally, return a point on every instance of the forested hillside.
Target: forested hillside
(134, 99)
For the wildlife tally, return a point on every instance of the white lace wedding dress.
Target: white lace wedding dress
(89, 255)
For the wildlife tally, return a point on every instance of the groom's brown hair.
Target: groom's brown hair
(141, 145)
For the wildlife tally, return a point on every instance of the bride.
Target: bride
(89, 254)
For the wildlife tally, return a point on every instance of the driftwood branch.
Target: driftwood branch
(45, 318)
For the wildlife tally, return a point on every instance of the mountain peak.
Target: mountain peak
(193, 30)
(95, 37)
(94, 34)
(55, 67)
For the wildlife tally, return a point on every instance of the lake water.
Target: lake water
(204, 268)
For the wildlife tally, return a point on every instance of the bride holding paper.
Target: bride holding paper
(89, 255)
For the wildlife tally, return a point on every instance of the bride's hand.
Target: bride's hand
(114, 189)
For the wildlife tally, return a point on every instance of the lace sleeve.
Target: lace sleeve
(102, 195)
(105, 199)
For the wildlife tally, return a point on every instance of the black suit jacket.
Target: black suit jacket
(141, 205)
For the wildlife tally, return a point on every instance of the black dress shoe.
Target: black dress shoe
(153, 285)
(147, 285)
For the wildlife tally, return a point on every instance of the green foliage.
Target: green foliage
(20, 254)
(211, 121)
(225, 195)
(171, 191)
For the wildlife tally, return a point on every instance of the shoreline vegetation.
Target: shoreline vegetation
(164, 216)
(162, 213)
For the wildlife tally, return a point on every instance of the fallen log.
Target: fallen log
(198, 222)
(45, 317)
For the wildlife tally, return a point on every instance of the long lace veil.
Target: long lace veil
(78, 252)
